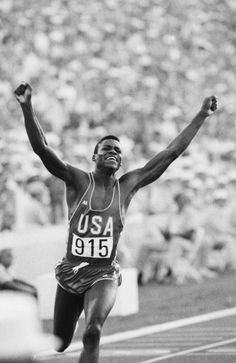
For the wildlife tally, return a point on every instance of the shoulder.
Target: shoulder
(130, 180)
(77, 176)
(79, 182)
(129, 185)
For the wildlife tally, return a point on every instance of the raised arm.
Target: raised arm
(159, 163)
(37, 138)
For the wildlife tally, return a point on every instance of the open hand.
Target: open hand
(23, 93)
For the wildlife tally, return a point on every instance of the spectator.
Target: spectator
(182, 234)
(7, 279)
(220, 234)
(151, 259)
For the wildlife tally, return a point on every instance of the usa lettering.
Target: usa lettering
(96, 225)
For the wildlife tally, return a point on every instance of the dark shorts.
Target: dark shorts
(76, 279)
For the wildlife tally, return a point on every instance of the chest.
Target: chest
(101, 197)
(97, 198)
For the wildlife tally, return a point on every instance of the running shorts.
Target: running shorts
(77, 278)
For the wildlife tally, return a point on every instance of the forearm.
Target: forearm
(160, 162)
(181, 142)
(33, 128)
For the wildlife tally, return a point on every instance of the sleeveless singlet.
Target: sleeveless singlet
(92, 242)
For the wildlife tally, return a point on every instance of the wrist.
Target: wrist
(26, 105)
(203, 114)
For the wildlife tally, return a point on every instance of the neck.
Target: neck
(104, 177)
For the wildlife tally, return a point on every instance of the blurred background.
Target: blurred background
(139, 70)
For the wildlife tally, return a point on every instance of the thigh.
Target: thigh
(99, 300)
(67, 310)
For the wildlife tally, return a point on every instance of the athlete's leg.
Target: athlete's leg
(67, 310)
(98, 302)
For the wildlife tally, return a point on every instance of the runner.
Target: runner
(89, 274)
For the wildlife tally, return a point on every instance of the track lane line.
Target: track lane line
(136, 333)
(188, 351)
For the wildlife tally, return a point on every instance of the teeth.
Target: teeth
(111, 158)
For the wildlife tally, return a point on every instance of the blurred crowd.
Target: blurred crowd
(189, 225)
(139, 70)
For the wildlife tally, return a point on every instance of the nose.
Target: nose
(112, 152)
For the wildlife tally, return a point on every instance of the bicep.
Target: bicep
(150, 172)
(134, 180)
(129, 184)
(54, 164)
(156, 167)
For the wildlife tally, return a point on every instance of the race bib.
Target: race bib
(93, 247)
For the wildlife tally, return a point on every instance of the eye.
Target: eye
(105, 148)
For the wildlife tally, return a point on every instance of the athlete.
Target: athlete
(88, 275)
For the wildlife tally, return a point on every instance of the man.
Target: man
(89, 275)
(7, 279)
(184, 234)
(220, 236)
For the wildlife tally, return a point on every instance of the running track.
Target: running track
(208, 338)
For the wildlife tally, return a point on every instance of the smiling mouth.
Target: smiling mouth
(111, 158)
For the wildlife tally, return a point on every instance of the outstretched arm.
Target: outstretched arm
(159, 163)
(181, 142)
(36, 136)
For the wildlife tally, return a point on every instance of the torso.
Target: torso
(95, 221)
(101, 196)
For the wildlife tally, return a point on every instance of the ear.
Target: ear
(94, 157)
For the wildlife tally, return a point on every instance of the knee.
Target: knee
(64, 340)
(92, 335)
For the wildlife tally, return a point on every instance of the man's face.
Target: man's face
(109, 154)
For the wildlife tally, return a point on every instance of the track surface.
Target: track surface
(212, 341)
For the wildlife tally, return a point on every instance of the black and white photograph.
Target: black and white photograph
(117, 181)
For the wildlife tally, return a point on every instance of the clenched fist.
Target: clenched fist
(23, 93)
(209, 106)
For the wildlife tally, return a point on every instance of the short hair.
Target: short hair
(104, 138)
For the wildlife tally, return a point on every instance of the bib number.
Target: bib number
(94, 247)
